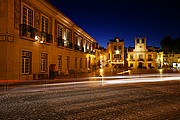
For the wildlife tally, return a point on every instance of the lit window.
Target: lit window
(59, 31)
(44, 24)
(43, 62)
(27, 16)
(140, 56)
(68, 35)
(26, 62)
(131, 56)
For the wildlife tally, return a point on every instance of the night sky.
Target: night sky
(106, 19)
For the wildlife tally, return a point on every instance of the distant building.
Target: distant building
(36, 39)
(171, 61)
(115, 53)
(143, 56)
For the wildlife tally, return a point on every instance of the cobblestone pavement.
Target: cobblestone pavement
(135, 101)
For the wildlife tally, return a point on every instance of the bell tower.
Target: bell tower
(140, 44)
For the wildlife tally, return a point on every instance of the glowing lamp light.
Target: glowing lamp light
(36, 37)
(41, 41)
(117, 51)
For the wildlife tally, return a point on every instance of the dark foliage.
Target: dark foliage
(170, 45)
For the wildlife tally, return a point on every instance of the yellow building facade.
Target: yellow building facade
(36, 38)
(141, 56)
(171, 61)
(115, 53)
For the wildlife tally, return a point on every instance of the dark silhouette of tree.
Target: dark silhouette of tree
(167, 44)
(177, 45)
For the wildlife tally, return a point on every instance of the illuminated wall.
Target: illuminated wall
(115, 53)
(34, 36)
(141, 56)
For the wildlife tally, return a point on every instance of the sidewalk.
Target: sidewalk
(61, 79)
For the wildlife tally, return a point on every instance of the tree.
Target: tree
(167, 44)
(177, 45)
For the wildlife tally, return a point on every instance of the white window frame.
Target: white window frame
(43, 27)
(26, 62)
(44, 57)
(70, 36)
(28, 8)
(58, 31)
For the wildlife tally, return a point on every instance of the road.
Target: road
(107, 99)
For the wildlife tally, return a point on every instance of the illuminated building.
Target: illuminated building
(171, 61)
(35, 38)
(143, 56)
(115, 53)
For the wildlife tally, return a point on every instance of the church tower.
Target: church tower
(140, 44)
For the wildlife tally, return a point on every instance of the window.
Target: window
(140, 56)
(149, 65)
(115, 47)
(27, 16)
(43, 62)
(59, 62)
(59, 31)
(120, 47)
(76, 40)
(44, 24)
(80, 62)
(131, 57)
(149, 56)
(117, 56)
(131, 65)
(137, 40)
(68, 35)
(26, 62)
(75, 60)
(143, 40)
(68, 62)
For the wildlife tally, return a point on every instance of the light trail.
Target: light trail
(138, 76)
(124, 79)
(140, 80)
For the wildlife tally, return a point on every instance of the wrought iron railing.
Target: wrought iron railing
(46, 37)
(28, 31)
(60, 42)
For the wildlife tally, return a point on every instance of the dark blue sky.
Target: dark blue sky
(106, 19)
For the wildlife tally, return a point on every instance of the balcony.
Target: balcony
(60, 42)
(46, 37)
(76, 47)
(69, 45)
(28, 31)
